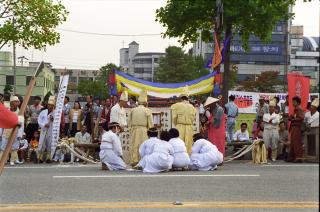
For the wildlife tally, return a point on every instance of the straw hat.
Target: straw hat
(143, 97)
(315, 103)
(124, 96)
(52, 100)
(272, 103)
(14, 98)
(114, 124)
(210, 100)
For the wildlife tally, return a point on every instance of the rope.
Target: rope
(236, 153)
(63, 143)
(248, 148)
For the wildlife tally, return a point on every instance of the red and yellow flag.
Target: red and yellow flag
(217, 58)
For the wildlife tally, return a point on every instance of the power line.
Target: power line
(109, 34)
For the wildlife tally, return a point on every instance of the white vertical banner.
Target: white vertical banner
(58, 111)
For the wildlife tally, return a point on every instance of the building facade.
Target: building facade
(75, 77)
(260, 57)
(304, 55)
(140, 65)
(44, 81)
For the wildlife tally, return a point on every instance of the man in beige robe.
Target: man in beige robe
(183, 115)
(139, 121)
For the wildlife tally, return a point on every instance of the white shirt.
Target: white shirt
(241, 136)
(313, 120)
(75, 117)
(83, 138)
(146, 147)
(178, 145)
(23, 144)
(118, 114)
(111, 141)
(275, 120)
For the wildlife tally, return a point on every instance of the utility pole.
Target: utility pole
(21, 59)
(14, 69)
(286, 56)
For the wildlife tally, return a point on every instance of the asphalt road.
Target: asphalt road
(233, 187)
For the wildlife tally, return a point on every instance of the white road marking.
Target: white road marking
(156, 175)
(291, 165)
(49, 167)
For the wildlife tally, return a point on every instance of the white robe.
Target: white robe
(313, 120)
(111, 151)
(181, 157)
(46, 132)
(118, 114)
(160, 159)
(205, 156)
(147, 146)
(5, 134)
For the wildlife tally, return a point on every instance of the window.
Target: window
(9, 80)
(28, 79)
(73, 79)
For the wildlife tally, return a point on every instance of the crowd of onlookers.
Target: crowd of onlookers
(284, 135)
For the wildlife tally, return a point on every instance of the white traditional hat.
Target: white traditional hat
(143, 97)
(14, 98)
(124, 96)
(315, 102)
(185, 92)
(272, 103)
(52, 100)
(210, 100)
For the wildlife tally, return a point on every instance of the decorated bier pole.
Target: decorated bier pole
(21, 113)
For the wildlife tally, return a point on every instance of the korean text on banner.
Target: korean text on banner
(58, 111)
(298, 85)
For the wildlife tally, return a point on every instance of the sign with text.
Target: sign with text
(58, 111)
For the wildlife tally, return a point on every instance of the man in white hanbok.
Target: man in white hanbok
(270, 133)
(147, 146)
(161, 158)
(45, 121)
(181, 157)
(110, 149)
(5, 133)
(205, 156)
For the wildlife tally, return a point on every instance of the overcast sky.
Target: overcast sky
(78, 50)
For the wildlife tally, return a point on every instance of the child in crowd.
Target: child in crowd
(284, 144)
(34, 143)
(23, 148)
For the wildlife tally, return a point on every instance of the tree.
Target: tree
(184, 19)
(99, 87)
(105, 71)
(30, 23)
(177, 66)
(267, 82)
(7, 92)
(95, 88)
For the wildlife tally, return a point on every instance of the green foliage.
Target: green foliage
(30, 23)
(177, 66)
(266, 82)
(98, 87)
(95, 88)
(105, 70)
(183, 18)
(7, 89)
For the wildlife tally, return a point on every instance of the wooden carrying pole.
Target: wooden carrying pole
(21, 113)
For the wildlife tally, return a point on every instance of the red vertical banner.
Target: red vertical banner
(298, 85)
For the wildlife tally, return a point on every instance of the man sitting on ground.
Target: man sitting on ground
(110, 149)
(205, 156)
(146, 147)
(181, 157)
(161, 158)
